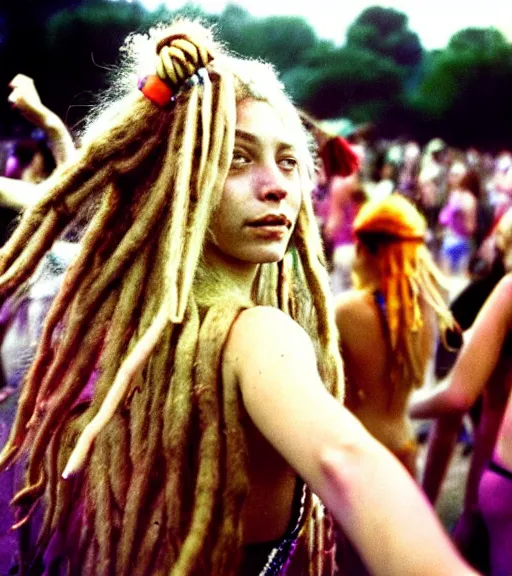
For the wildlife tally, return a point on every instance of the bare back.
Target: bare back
(380, 406)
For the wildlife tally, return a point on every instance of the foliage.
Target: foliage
(467, 89)
(381, 74)
(384, 31)
(282, 40)
(336, 81)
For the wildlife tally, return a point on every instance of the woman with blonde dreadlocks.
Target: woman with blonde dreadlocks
(187, 385)
(387, 324)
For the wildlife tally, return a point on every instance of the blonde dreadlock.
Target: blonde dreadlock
(124, 395)
(394, 231)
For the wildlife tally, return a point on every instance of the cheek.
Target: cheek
(224, 217)
(295, 198)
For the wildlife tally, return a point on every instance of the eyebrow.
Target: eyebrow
(243, 135)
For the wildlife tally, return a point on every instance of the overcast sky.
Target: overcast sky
(434, 21)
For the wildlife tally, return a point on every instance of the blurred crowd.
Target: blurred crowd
(399, 221)
(372, 235)
(461, 193)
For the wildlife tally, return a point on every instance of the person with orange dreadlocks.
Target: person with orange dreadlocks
(184, 402)
(387, 322)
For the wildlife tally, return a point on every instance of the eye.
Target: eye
(288, 163)
(240, 159)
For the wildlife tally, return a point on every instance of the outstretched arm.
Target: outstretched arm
(441, 443)
(25, 98)
(17, 194)
(368, 491)
(476, 362)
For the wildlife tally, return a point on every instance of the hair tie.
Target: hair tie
(154, 88)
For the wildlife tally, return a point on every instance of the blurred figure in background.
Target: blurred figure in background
(460, 220)
(484, 366)
(347, 195)
(409, 170)
(30, 160)
(25, 98)
(337, 197)
(388, 322)
(499, 201)
(384, 177)
(432, 189)
(485, 405)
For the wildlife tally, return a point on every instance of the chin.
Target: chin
(261, 256)
(275, 254)
(267, 258)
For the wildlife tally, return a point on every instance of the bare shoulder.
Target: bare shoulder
(351, 299)
(354, 308)
(264, 330)
(273, 362)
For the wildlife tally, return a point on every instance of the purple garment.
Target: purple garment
(495, 500)
(452, 217)
(8, 480)
(345, 233)
(21, 320)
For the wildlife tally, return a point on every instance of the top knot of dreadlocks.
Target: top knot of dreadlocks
(181, 56)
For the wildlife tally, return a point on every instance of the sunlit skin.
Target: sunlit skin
(381, 407)
(263, 183)
(262, 195)
(293, 427)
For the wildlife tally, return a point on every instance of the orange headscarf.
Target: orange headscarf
(395, 230)
(393, 216)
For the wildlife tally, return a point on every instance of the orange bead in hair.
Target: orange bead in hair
(154, 88)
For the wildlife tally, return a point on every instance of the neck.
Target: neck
(235, 272)
(368, 282)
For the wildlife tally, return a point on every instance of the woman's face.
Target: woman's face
(262, 193)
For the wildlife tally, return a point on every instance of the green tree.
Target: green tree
(385, 32)
(345, 82)
(367, 78)
(466, 91)
(282, 40)
(83, 44)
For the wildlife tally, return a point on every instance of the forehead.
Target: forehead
(266, 123)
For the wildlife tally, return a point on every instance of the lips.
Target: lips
(271, 220)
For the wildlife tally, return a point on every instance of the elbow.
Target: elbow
(461, 406)
(342, 472)
(458, 402)
(336, 469)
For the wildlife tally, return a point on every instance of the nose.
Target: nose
(272, 184)
(275, 194)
